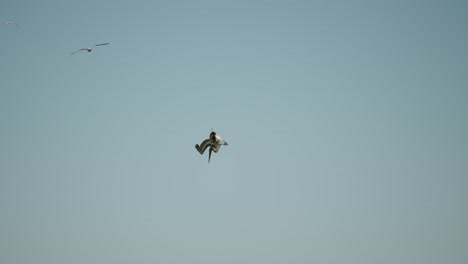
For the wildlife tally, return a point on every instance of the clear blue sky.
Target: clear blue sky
(347, 123)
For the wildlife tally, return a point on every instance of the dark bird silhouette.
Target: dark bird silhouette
(90, 48)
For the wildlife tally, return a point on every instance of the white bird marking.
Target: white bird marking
(90, 48)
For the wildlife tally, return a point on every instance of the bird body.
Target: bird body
(214, 142)
(13, 23)
(90, 48)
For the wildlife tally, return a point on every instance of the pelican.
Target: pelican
(214, 142)
(90, 48)
(13, 23)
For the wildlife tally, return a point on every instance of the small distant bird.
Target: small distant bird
(90, 48)
(214, 142)
(13, 23)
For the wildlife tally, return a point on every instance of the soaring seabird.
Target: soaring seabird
(13, 23)
(214, 142)
(90, 48)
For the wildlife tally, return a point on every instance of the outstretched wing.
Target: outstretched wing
(77, 51)
(102, 44)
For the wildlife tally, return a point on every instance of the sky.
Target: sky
(347, 124)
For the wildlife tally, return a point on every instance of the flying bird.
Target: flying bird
(90, 48)
(214, 142)
(13, 23)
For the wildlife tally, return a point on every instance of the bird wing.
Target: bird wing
(102, 44)
(77, 51)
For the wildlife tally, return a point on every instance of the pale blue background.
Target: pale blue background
(347, 123)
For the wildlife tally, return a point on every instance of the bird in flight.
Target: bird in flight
(214, 143)
(90, 48)
(13, 23)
